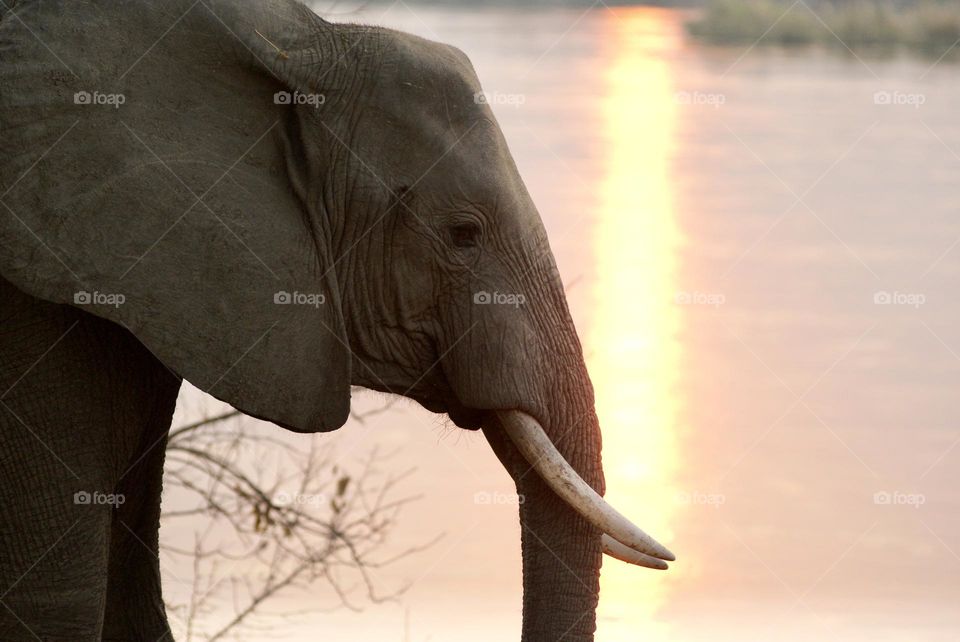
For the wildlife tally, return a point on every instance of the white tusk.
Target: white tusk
(613, 548)
(536, 447)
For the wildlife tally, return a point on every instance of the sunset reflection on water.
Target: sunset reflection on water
(632, 345)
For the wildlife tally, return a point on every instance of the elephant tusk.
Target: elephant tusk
(615, 549)
(530, 438)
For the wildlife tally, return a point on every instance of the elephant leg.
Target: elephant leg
(135, 609)
(77, 394)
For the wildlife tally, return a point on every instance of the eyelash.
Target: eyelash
(465, 234)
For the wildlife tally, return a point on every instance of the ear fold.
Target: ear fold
(143, 178)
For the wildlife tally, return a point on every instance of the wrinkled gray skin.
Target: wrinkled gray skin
(199, 199)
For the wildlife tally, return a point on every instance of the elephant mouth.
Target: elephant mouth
(467, 418)
(462, 416)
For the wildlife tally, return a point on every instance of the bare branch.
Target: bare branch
(270, 519)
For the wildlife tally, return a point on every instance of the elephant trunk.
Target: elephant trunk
(561, 550)
(551, 449)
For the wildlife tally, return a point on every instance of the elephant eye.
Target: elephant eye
(465, 234)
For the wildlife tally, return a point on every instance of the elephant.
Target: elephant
(275, 208)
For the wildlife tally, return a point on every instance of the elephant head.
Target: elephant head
(280, 208)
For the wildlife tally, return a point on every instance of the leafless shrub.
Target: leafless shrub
(268, 520)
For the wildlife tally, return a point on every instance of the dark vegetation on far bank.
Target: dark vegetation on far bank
(928, 26)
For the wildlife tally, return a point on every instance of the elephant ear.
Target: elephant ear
(148, 160)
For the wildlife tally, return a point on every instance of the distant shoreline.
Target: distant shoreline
(929, 27)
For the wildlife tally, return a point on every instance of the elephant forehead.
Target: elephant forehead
(429, 77)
